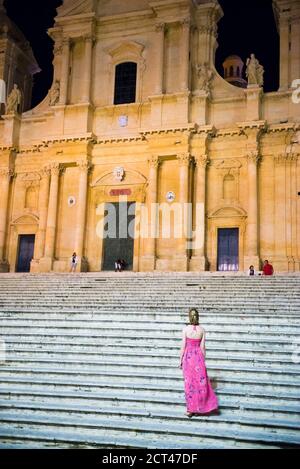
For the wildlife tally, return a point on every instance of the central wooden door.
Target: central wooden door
(25, 252)
(119, 240)
(228, 249)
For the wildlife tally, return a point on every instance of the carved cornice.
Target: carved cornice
(191, 129)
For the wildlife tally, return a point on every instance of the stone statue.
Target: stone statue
(13, 100)
(255, 71)
(205, 76)
(54, 93)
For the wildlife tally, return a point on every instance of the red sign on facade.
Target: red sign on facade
(117, 192)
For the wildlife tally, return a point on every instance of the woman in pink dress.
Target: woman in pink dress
(199, 394)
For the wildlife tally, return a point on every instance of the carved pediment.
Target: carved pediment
(77, 7)
(28, 219)
(228, 211)
(127, 49)
(109, 179)
(227, 164)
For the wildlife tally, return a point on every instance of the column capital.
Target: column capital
(184, 159)
(283, 158)
(160, 27)
(45, 172)
(154, 161)
(84, 166)
(201, 160)
(253, 157)
(66, 41)
(55, 169)
(6, 173)
(186, 23)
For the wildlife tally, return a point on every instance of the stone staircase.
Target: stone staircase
(92, 360)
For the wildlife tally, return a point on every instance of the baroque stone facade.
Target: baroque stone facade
(190, 137)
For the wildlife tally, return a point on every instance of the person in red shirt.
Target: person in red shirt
(268, 269)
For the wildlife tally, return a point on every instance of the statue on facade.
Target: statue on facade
(205, 76)
(13, 100)
(255, 71)
(54, 93)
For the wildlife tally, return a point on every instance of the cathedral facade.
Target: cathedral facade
(138, 121)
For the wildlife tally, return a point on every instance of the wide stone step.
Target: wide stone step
(141, 358)
(230, 386)
(170, 327)
(280, 413)
(144, 317)
(37, 437)
(149, 371)
(283, 343)
(158, 423)
(160, 354)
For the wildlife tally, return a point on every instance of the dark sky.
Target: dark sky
(247, 26)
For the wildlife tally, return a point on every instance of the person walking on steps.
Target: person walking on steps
(74, 262)
(199, 394)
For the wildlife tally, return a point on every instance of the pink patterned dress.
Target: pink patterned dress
(199, 395)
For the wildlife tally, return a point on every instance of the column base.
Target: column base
(252, 260)
(45, 264)
(148, 264)
(4, 267)
(181, 263)
(83, 265)
(198, 264)
(35, 266)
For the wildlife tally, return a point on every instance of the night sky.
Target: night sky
(245, 28)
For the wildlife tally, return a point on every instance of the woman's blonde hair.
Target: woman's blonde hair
(194, 317)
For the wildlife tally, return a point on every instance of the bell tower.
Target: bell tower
(287, 15)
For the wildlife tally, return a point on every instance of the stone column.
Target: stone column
(5, 176)
(184, 55)
(160, 52)
(199, 261)
(81, 209)
(43, 209)
(64, 80)
(46, 262)
(252, 223)
(149, 258)
(87, 69)
(181, 259)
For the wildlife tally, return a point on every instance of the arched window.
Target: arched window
(125, 83)
(231, 71)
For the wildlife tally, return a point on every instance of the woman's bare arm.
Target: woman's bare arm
(202, 345)
(182, 347)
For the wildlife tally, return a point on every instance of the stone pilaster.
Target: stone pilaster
(181, 257)
(149, 259)
(88, 54)
(160, 51)
(39, 248)
(5, 177)
(184, 55)
(252, 223)
(46, 262)
(199, 261)
(84, 168)
(64, 79)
